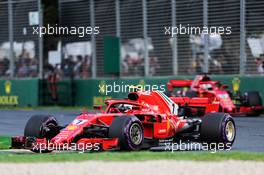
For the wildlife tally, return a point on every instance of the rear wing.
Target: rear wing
(178, 83)
(197, 102)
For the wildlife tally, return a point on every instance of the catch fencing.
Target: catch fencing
(147, 48)
(148, 51)
(21, 52)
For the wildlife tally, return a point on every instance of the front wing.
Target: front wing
(84, 144)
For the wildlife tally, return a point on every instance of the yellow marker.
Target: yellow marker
(71, 127)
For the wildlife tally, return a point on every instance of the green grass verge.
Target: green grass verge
(124, 156)
(4, 142)
(131, 156)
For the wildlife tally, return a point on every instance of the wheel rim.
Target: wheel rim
(230, 131)
(136, 133)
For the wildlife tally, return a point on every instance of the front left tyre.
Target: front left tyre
(41, 126)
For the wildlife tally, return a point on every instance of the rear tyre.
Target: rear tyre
(253, 98)
(129, 131)
(41, 126)
(218, 130)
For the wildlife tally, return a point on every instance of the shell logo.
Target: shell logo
(72, 127)
(8, 86)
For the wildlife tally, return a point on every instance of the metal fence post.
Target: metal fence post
(11, 38)
(93, 39)
(242, 39)
(145, 36)
(118, 28)
(174, 39)
(40, 40)
(117, 8)
(206, 37)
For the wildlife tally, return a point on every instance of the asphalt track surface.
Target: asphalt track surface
(250, 130)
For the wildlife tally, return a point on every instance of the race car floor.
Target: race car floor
(250, 130)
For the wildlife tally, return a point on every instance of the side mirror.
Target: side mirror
(224, 86)
(98, 107)
(135, 107)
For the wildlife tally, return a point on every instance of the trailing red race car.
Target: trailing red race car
(202, 86)
(141, 121)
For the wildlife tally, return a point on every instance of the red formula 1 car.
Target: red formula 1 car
(141, 121)
(202, 86)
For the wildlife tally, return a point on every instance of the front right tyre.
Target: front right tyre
(218, 128)
(129, 131)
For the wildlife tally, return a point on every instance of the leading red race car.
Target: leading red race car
(202, 86)
(139, 122)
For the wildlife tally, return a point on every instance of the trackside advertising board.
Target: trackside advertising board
(19, 92)
(95, 91)
(31, 92)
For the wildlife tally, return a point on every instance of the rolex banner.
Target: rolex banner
(96, 91)
(19, 92)
(30, 92)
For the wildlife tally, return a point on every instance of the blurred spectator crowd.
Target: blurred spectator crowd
(260, 64)
(70, 67)
(80, 66)
(24, 66)
(134, 65)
